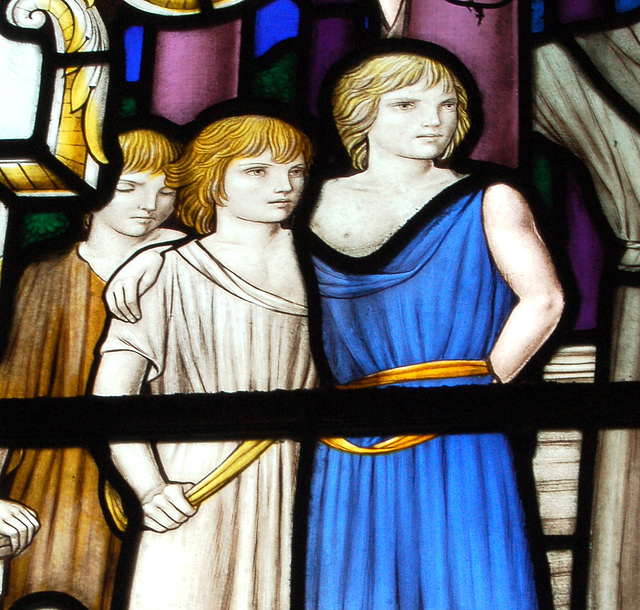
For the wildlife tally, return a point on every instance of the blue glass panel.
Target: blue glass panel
(626, 5)
(537, 16)
(133, 52)
(275, 22)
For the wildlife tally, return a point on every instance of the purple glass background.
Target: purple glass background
(195, 69)
(575, 10)
(585, 252)
(331, 39)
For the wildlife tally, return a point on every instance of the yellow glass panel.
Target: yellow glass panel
(71, 147)
(38, 177)
(30, 178)
(16, 179)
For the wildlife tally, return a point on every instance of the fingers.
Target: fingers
(167, 509)
(125, 289)
(113, 297)
(5, 547)
(18, 526)
(131, 293)
(123, 299)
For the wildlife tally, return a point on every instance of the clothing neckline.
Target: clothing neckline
(390, 248)
(83, 260)
(193, 251)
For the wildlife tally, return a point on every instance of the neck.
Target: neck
(392, 169)
(233, 230)
(105, 249)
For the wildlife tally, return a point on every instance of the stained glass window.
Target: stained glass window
(139, 127)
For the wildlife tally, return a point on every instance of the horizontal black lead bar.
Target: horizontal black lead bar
(300, 414)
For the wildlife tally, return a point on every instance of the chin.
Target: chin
(428, 151)
(139, 232)
(278, 215)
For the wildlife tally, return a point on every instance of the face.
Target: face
(415, 122)
(141, 203)
(260, 190)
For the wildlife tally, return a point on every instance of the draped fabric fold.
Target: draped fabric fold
(205, 329)
(434, 524)
(571, 111)
(58, 320)
(616, 54)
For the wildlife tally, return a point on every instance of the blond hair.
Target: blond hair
(145, 150)
(356, 97)
(199, 175)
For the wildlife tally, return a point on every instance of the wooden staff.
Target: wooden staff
(239, 460)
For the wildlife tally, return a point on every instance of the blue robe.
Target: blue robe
(440, 525)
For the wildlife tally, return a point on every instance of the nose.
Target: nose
(283, 182)
(431, 116)
(147, 199)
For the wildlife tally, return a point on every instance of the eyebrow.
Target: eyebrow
(127, 181)
(263, 164)
(406, 98)
(402, 98)
(256, 164)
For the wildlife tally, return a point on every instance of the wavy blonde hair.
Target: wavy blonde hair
(145, 150)
(199, 175)
(356, 97)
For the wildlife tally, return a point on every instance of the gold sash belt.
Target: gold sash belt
(249, 451)
(439, 369)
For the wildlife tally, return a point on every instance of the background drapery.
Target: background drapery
(572, 111)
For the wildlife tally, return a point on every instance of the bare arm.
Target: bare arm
(120, 373)
(163, 503)
(525, 264)
(131, 281)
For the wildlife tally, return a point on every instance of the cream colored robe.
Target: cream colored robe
(205, 329)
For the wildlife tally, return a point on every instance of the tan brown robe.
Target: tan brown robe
(58, 320)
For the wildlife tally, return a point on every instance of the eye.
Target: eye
(125, 187)
(450, 105)
(404, 105)
(256, 171)
(297, 172)
(167, 192)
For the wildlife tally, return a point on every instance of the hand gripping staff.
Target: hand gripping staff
(239, 460)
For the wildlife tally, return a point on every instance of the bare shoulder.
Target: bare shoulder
(331, 200)
(504, 205)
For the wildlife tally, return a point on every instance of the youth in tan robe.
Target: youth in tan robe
(58, 319)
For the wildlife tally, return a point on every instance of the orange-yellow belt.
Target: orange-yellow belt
(440, 369)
